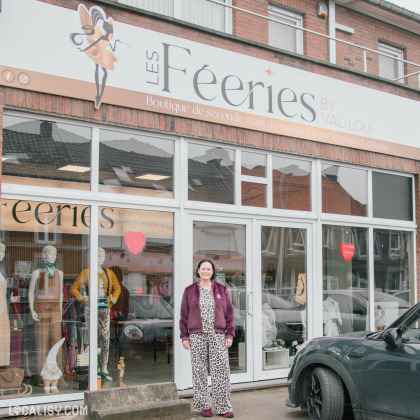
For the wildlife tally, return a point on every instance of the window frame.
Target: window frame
(393, 53)
(278, 13)
(177, 6)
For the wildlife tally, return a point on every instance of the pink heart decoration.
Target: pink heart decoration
(347, 251)
(135, 241)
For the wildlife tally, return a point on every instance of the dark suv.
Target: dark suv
(376, 375)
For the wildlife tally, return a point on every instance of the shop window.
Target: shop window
(46, 153)
(345, 290)
(210, 174)
(40, 257)
(390, 67)
(282, 36)
(291, 184)
(135, 164)
(283, 293)
(392, 196)
(344, 190)
(392, 275)
(199, 12)
(139, 257)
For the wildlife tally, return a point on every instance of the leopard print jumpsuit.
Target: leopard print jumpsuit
(209, 347)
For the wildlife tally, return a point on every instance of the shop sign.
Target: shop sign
(88, 55)
(134, 225)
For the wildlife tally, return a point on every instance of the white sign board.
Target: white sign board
(88, 55)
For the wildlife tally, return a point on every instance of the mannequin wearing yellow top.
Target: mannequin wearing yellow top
(108, 287)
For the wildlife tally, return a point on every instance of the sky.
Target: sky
(413, 5)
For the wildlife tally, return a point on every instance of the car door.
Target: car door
(391, 375)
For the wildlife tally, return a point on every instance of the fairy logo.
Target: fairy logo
(95, 42)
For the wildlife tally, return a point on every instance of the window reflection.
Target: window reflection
(283, 293)
(253, 164)
(46, 153)
(291, 184)
(344, 190)
(210, 174)
(392, 275)
(345, 280)
(135, 164)
(139, 251)
(254, 194)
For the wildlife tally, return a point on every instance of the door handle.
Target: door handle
(355, 354)
(249, 303)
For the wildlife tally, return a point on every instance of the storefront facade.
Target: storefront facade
(120, 173)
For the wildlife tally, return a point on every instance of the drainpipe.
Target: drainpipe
(331, 32)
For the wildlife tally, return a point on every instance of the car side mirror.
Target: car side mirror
(393, 337)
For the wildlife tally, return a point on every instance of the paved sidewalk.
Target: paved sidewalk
(261, 404)
(253, 404)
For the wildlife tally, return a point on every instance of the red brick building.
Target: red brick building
(277, 138)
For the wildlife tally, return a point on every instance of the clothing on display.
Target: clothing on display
(45, 304)
(109, 291)
(332, 317)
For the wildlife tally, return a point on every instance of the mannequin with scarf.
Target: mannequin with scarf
(45, 303)
(109, 290)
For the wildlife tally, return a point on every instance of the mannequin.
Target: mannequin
(45, 303)
(109, 288)
(4, 316)
(332, 317)
(300, 298)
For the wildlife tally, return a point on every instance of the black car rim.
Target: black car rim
(315, 398)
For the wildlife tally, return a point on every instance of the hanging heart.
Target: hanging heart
(135, 241)
(347, 251)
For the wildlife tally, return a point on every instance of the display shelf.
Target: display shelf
(275, 359)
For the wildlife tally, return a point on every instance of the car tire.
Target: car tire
(325, 395)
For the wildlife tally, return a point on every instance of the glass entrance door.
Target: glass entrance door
(224, 241)
(283, 274)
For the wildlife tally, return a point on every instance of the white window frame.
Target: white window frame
(393, 52)
(295, 19)
(177, 12)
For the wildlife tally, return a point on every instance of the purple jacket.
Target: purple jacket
(190, 322)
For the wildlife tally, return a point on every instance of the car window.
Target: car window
(411, 329)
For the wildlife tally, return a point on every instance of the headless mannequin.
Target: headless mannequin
(103, 313)
(45, 303)
(4, 316)
(332, 317)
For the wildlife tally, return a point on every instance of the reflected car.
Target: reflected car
(404, 295)
(370, 375)
(287, 314)
(354, 305)
(152, 320)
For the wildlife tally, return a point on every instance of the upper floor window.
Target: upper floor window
(200, 12)
(389, 67)
(283, 36)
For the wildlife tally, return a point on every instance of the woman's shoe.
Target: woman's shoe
(229, 414)
(207, 413)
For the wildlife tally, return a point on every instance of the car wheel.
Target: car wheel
(325, 393)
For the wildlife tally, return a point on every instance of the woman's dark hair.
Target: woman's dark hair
(212, 266)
